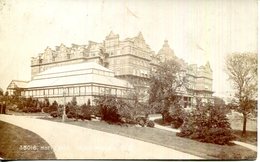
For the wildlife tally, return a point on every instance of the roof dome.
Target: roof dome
(166, 52)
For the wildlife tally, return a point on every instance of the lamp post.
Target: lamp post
(64, 105)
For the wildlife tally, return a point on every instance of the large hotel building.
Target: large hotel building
(113, 66)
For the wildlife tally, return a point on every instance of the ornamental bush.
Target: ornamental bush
(207, 124)
(114, 110)
(73, 110)
(150, 123)
(85, 112)
(49, 109)
(174, 116)
(30, 105)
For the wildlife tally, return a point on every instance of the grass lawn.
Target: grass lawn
(251, 137)
(169, 139)
(13, 141)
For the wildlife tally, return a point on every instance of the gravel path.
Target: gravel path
(73, 142)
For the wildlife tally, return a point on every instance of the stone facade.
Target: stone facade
(131, 59)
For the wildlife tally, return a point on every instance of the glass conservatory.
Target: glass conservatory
(84, 81)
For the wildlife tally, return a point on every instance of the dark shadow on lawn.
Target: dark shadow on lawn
(20, 144)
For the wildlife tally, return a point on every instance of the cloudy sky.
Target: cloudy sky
(197, 30)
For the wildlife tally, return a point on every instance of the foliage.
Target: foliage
(150, 123)
(141, 120)
(74, 101)
(88, 103)
(242, 71)
(86, 111)
(165, 82)
(175, 116)
(1, 92)
(17, 91)
(72, 110)
(219, 102)
(207, 124)
(82, 112)
(46, 102)
(56, 113)
(114, 110)
(30, 105)
(53, 107)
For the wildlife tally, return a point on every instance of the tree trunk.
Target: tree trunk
(244, 125)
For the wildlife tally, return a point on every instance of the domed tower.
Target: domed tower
(165, 53)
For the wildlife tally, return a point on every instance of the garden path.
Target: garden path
(74, 142)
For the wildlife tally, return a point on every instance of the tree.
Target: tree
(1, 92)
(88, 103)
(16, 94)
(242, 71)
(166, 82)
(219, 102)
(74, 101)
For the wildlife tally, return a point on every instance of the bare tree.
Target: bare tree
(242, 71)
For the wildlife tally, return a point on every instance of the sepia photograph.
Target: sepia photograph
(128, 79)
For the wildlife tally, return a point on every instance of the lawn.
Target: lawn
(251, 137)
(169, 139)
(20, 144)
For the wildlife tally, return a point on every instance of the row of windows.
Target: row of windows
(140, 62)
(82, 90)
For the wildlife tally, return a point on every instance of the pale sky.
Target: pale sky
(197, 30)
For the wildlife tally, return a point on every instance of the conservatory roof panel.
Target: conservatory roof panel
(78, 79)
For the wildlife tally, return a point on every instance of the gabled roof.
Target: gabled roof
(112, 35)
(17, 84)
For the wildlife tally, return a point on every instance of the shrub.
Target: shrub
(31, 109)
(85, 112)
(114, 110)
(141, 118)
(96, 111)
(71, 114)
(51, 108)
(176, 122)
(58, 112)
(54, 114)
(150, 123)
(207, 124)
(174, 116)
(110, 114)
